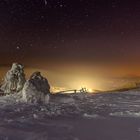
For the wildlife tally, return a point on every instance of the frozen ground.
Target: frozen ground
(111, 116)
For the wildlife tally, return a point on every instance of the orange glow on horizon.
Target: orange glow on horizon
(93, 79)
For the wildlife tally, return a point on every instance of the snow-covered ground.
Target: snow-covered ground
(109, 116)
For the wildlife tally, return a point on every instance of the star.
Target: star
(18, 48)
(87, 15)
(63, 40)
(45, 1)
(122, 33)
(61, 5)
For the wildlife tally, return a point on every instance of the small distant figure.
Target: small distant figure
(83, 90)
(137, 84)
(75, 91)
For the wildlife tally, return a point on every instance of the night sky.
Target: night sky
(92, 37)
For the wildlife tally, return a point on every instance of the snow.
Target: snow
(71, 117)
(126, 114)
(117, 104)
(90, 116)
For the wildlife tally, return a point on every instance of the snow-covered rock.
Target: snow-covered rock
(14, 79)
(36, 89)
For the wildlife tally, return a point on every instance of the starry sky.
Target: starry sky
(91, 37)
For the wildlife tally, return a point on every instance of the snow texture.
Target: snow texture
(32, 113)
(36, 89)
(113, 116)
(14, 79)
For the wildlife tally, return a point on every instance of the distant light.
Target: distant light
(90, 90)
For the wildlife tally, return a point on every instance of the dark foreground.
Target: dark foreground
(72, 129)
(113, 116)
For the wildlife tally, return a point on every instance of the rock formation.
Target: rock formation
(36, 89)
(14, 79)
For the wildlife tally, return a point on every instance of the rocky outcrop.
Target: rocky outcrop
(14, 79)
(36, 89)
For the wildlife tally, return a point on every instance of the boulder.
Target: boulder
(14, 79)
(36, 89)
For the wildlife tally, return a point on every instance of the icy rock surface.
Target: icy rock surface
(14, 79)
(36, 89)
